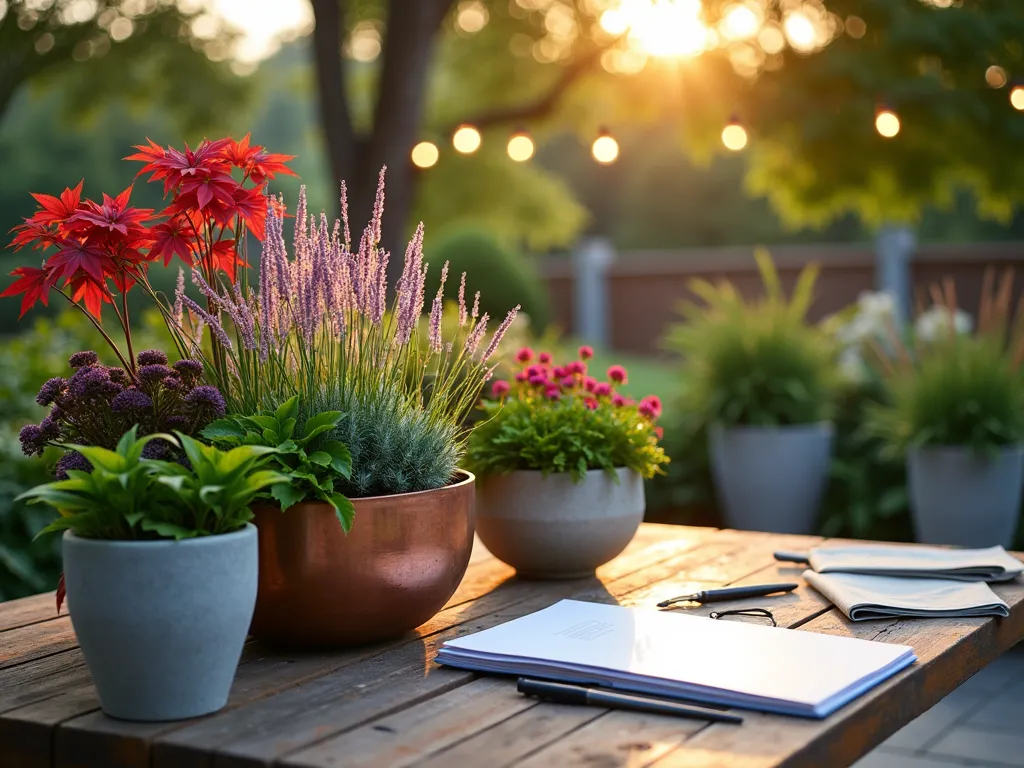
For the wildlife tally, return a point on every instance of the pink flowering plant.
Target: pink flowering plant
(559, 418)
(320, 326)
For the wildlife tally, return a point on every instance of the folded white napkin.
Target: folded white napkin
(863, 597)
(990, 564)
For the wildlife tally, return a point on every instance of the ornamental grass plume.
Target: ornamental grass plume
(318, 325)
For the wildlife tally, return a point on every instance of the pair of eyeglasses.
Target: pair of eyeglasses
(761, 613)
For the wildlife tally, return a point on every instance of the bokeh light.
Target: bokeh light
(605, 149)
(520, 147)
(740, 22)
(856, 27)
(887, 123)
(425, 154)
(734, 136)
(466, 139)
(800, 31)
(1017, 97)
(995, 76)
(659, 27)
(472, 16)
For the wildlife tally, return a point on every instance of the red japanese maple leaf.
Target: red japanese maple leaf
(35, 283)
(114, 215)
(226, 258)
(258, 164)
(78, 256)
(95, 294)
(41, 236)
(251, 206)
(172, 238)
(57, 210)
(210, 186)
(173, 166)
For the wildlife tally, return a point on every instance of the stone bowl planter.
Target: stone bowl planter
(403, 558)
(161, 624)
(552, 528)
(961, 499)
(771, 478)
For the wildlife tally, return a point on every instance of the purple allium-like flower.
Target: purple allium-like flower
(207, 400)
(49, 391)
(151, 357)
(131, 401)
(178, 422)
(189, 368)
(32, 440)
(70, 461)
(156, 449)
(82, 359)
(49, 428)
(89, 381)
(154, 373)
(498, 334)
(118, 375)
(173, 383)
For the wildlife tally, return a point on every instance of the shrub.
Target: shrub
(755, 363)
(504, 278)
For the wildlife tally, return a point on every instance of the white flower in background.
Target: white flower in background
(875, 311)
(932, 324)
(851, 365)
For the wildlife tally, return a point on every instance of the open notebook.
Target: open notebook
(729, 663)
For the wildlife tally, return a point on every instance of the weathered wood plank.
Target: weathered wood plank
(34, 641)
(949, 651)
(28, 610)
(727, 564)
(95, 734)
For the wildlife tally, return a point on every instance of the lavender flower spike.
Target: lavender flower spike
(435, 324)
(344, 214)
(378, 206)
(463, 313)
(179, 291)
(215, 327)
(476, 335)
(498, 334)
(476, 306)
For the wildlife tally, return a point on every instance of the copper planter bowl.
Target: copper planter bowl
(403, 558)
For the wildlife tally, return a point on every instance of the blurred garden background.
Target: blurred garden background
(583, 158)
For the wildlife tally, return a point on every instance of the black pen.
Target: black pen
(729, 593)
(561, 693)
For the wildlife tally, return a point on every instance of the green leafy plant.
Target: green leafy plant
(127, 497)
(948, 388)
(559, 419)
(755, 363)
(311, 466)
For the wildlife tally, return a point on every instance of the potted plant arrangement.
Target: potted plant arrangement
(561, 460)
(160, 564)
(374, 532)
(761, 379)
(955, 410)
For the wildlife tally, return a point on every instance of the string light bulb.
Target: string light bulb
(466, 139)
(734, 135)
(520, 146)
(425, 154)
(605, 148)
(1017, 97)
(887, 123)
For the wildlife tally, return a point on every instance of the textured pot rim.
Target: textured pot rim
(197, 541)
(826, 426)
(468, 478)
(540, 473)
(1009, 448)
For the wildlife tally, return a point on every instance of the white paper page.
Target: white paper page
(894, 557)
(786, 665)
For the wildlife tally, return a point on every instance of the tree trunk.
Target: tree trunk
(409, 42)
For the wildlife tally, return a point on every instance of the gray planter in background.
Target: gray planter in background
(771, 478)
(552, 528)
(959, 498)
(162, 623)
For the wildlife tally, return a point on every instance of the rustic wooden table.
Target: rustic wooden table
(390, 705)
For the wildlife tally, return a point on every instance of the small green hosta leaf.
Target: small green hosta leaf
(168, 530)
(344, 510)
(266, 422)
(320, 458)
(286, 494)
(289, 409)
(226, 430)
(317, 425)
(286, 430)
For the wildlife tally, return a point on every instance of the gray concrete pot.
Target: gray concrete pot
(552, 528)
(959, 498)
(162, 623)
(771, 478)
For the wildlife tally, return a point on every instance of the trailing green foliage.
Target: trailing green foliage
(755, 363)
(961, 392)
(311, 465)
(127, 497)
(503, 278)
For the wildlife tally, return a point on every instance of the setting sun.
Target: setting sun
(665, 28)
